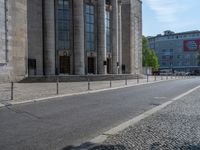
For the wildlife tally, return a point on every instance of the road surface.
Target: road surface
(62, 122)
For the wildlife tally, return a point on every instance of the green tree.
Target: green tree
(154, 60)
(150, 58)
(145, 51)
(198, 57)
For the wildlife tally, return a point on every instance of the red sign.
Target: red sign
(191, 45)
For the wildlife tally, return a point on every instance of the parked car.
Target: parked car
(166, 72)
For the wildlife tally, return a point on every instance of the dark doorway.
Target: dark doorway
(32, 67)
(91, 65)
(123, 69)
(108, 65)
(64, 64)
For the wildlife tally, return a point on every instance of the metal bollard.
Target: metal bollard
(147, 78)
(161, 77)
(88, 84)
(57, 86)
(126, 82)
(12, 91)
(155, 78)
(110, 82)
(138, 79)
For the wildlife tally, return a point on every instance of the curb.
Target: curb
(1, 105)
(81, 93)
(10, 103)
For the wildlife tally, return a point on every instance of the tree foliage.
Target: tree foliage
(150, 58)
(198, 57)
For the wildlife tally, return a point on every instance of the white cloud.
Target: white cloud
(167, 11)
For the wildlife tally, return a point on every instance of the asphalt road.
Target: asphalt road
(57, 124)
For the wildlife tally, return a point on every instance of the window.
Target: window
(63, 20)
(108, 31)
(163, 64)
(89, 27)
(108, 2)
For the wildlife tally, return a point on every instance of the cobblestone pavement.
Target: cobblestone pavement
(28, 91)
(176, 127)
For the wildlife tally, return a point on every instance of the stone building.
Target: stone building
(69, 37)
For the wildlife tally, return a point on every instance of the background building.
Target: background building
(177, 51)
(69, 37)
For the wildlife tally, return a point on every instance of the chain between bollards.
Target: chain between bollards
(12, 91)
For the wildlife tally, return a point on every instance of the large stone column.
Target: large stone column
(49, 37)
(140, 38)
(136, 36)
(120, 36)
(35, 35)
(132, 37)
(17, 39)
(125, 22)
(79, 61)
(115, 46)
(101, 37)
(3, 32)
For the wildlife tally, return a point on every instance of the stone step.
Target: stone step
(74, 78)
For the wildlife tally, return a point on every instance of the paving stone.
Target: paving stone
(28, 91)
(176, 127)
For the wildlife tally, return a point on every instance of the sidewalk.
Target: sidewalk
(175, 127)
(29, 91)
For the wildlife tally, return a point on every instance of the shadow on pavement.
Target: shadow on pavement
(91, 146)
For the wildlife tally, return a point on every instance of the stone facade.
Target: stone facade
(56, 37)
(2, 33)
(15, 63)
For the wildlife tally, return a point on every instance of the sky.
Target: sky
(175, 15)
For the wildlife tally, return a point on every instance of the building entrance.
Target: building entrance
(64, 64)
(91, 65)
(108, 65)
